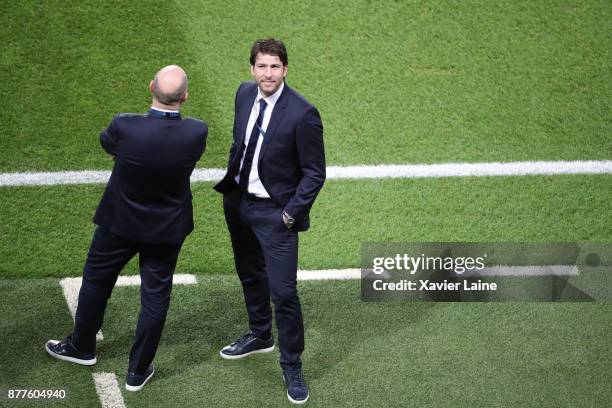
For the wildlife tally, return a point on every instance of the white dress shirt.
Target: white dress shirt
(255, 186)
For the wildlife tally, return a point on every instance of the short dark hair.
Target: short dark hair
(269, 46)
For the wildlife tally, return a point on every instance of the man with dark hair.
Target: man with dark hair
(276, 168)
(146, 210)
(269, 46)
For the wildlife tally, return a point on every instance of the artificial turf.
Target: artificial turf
(396, 82)
(357, 354)
(46, 230)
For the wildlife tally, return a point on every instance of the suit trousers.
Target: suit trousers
(107, 256)
(266, 255)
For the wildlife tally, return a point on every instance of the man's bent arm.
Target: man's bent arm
(108, 139)
(311, 154)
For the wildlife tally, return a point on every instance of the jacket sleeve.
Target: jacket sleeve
(108, 138)
(202, 142)
(311, 155)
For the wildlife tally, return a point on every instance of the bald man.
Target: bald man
(146, 210)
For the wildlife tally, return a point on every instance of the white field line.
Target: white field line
(500, 270)
(178, 279)
(530, 270)
(71, 287)
(329, 274)
(348, 172)
(108, 390)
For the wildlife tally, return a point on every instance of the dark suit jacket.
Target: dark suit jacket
(291, 160)
(148, 196)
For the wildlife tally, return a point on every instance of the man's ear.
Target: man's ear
(252, 71)
(185, 96)
(151, 87)
(285, 70)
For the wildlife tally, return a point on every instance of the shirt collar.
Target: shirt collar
(270, 100)
(164, 110)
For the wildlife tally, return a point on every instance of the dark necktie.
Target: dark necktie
(250, 150)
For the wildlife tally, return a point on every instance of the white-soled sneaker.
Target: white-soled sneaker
(135, 382)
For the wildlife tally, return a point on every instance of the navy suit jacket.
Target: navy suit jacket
(148, 196)
(291, 161)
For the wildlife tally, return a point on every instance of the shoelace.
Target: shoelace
(296, 377)
(243, 339)
(67, 342)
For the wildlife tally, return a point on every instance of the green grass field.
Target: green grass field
(395, 82)
(358, 354)
(54, 223)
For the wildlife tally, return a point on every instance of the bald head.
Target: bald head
(169, 87)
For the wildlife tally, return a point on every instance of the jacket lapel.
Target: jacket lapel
(245, 112)
(277, 117)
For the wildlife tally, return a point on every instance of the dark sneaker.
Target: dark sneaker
(297, 390)
(65, 350)
(247, 344)
(135, 382)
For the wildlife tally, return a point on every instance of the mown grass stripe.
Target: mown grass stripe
(348, 172)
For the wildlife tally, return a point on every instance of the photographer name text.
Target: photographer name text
(427, 285)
